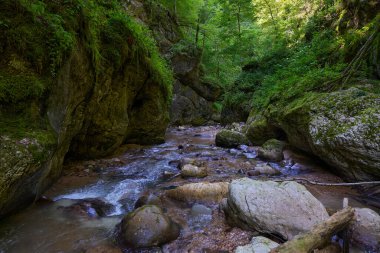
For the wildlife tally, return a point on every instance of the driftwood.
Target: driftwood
(319, 236)
(328, 184)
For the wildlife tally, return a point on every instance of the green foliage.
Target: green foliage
(45, 32)
(297, 48)
(19, 87)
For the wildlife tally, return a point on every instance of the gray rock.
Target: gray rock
(148, 226)
(190, 170)
(272, 150)
(198, 209)
(230, 139)
(284, 209)
(258, 244)
(341, 128)
(365, 229)
(148, 199)
(266, 170)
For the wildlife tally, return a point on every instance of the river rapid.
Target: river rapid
(67, 218)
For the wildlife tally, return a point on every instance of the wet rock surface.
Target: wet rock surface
(193, 171)
(230, 139)
(148, 226)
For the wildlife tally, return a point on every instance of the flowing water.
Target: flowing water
(66, 219)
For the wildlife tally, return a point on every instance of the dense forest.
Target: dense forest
(189, 126)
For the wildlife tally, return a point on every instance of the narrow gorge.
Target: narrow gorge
(189, 126)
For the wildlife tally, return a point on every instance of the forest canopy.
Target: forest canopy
(261, 48)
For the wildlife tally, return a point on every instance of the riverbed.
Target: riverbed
(64, 220)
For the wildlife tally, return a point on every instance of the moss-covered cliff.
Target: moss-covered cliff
(76, 77)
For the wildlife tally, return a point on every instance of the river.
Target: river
(66, 221)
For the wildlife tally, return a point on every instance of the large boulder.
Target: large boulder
(365, 229)
(258, 244)
(203, 191)
(230, 139)
(284, 209)
(148, 226)
(341, 128)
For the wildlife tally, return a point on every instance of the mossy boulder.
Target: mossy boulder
(24, 162)
(148, 226)
(259, 130)
(272, 150)
(230, 139)
(341, 128)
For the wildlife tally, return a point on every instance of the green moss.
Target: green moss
(20, 87)
(45, 32)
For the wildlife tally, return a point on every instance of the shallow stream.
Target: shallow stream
(60, 223)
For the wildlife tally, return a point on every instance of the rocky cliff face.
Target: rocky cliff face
(341, 128)
(193, 99)
(88, 109)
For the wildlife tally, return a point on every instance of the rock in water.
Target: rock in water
(230, 139)
(258, 244)
(341, 128)
(203, 191)
(365, 230)
(148, 226)
(198, 209)
(193, 171)
(284, 209)
(272, 150)
(266, 170)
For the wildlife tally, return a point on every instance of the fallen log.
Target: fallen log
(319, 236)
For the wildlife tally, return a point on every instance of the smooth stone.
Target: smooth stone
(193, 171)
(284, 209)
(203, 191)
(148, 226)
(365, 230)
(198, 209)
(266, 170)
(258, 244)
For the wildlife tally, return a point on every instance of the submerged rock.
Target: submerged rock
(230, 139)
(203, 191)
(284, 209)
(198, 209)
(365, 230)
(193, 171)
(92, 208)
(148, 226)
(272, 150)
(258, 244)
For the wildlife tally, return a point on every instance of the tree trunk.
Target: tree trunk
(319, 236)
(238, 21)
(197, 33)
